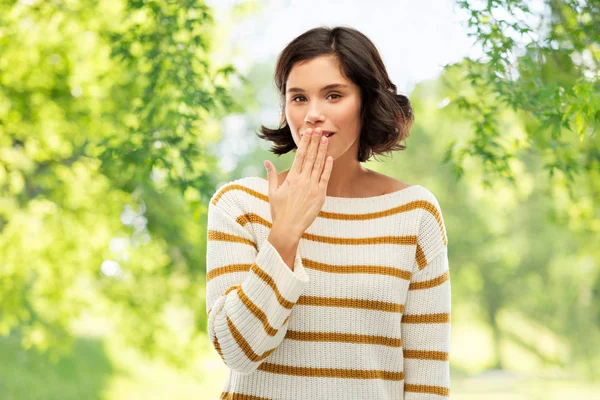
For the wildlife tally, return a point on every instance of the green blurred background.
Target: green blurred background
(119, 119)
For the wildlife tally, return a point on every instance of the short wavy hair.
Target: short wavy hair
(386, 116)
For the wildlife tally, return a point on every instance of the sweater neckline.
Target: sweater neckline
(361, 200)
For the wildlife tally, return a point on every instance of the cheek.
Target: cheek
(293, 118)
(294, 121)
(346, 116)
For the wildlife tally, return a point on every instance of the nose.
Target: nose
(313, 114)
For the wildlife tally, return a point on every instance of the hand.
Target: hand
(297, 202)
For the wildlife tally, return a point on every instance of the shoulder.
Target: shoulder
(432, 236)
(429, 204)
(235, 194)
(388, 184)
(430, 200)
(377, 183)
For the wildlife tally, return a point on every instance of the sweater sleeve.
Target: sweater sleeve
(426, 319)
(250, 290)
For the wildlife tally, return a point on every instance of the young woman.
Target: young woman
(329, 280)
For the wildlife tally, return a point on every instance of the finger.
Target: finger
(296, 167)
(271, 176)
(326, 174)
(311, 153)
(320, 160)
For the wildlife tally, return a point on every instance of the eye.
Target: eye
(298, 97)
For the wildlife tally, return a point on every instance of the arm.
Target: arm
(426, 320)
(426, 332)
(285, 243)
(249, 292)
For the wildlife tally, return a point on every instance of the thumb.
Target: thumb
(271, 175)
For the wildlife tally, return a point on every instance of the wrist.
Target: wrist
(286, 232)
(285, 243)
(284, 237)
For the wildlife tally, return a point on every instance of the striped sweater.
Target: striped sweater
(364, 314)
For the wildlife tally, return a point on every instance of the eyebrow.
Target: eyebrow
(324, 88)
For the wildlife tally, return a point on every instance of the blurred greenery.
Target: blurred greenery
(105, 134)
(112, 139)
(544, 64)
(82, 374)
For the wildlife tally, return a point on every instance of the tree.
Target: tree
(513, 267)
(108, 111)
(545, 65)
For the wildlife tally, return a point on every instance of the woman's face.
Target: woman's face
(311, 102)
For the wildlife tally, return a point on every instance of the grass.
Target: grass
(29, 375)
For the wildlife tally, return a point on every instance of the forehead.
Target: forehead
(315, 73)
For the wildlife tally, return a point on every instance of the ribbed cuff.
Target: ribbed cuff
(290, 283)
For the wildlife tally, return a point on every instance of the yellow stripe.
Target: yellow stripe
(409, 240)
(244, 345)
(350, 303)
(439, 390)
(319, 301)
(426, 355)
(258, 313)
(426, 318)
(356, 269)
(218, 348)
(403, 240)
(319, 266)
(330, 268)
(227, 237)
(262, 274)
(225, 294)
(215, 340)
(406, 239)
(420, 256)
(227, 269)
(254, 309)
(432, 209)
(232, 288)
(425, 205)
(430, 283)
(331, 372)
(317, 336)
(239, 396)
(343, 338)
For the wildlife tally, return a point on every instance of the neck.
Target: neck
(346, 178)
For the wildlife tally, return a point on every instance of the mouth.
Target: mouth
(325, 133)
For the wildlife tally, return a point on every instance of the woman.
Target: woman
(329, 280)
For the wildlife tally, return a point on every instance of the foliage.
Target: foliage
(510, 252)
(544, 64)
(107, 113)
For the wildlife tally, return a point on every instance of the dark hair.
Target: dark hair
(386, 116)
